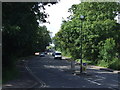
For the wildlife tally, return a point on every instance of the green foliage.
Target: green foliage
(107, 51)
(88, 62)
(100, 32)
(21, 33)
(66, 53)
(115, 64)
(42, 39)
(102, 63)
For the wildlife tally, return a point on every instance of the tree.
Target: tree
(108, 50)
(20, 31)
(98, 25)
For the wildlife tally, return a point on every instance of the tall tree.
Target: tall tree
(98, 25)
(20, 29)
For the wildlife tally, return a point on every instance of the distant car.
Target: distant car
(57, 55)
(45, 52)
(42, 55)
(37, 53)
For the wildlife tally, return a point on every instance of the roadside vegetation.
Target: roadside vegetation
(100, 34)
(22, 35)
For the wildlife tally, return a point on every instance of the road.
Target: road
(56, 73)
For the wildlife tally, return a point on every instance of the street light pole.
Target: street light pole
(81, 17)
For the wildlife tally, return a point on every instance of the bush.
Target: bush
(88, 62)
(102, 63)
(107, 50)
(115, 64)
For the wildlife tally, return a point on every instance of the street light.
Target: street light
(81, 18)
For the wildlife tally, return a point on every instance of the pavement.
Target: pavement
(98, 67)
(103, 68)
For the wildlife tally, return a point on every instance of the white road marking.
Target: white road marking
(111, 88)
(100, 77)
(40, 81)
(93, 82)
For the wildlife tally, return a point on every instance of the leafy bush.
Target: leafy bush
(115, 64)
(102, 63)
(108, 54)
(85, 61)
(107, 50)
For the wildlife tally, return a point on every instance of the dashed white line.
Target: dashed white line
(93, 82)
(100, 77)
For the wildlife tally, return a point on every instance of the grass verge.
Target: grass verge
(85, 61)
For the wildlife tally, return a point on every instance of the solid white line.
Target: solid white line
(111, 88)
(40, 81)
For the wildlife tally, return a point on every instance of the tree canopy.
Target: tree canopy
(96, 33)
(22, 35)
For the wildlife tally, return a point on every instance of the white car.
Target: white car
(58, 55)
(37, 54)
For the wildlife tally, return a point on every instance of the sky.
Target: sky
(57, 12)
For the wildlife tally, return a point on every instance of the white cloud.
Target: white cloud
(56, 13)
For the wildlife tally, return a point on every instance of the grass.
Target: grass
(85, 61)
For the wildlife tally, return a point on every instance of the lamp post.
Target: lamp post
(81, 18)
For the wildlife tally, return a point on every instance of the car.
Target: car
(37, 53)
(57, 55)
(45, 52)
(42, 54)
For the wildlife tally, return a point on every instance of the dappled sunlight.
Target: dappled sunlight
(8, 85)
(55, 67)
(19, 84)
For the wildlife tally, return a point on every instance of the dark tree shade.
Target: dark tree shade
(20, 30)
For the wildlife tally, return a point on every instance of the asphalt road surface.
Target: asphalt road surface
(55, 73)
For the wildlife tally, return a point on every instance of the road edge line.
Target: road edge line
(35, 77)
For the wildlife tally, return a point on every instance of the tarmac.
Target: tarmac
(26, 80)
